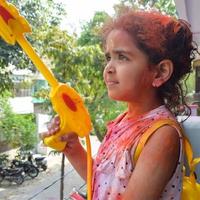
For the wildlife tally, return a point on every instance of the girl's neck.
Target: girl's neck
(135, 110)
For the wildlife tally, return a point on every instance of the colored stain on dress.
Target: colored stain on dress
(113, 165)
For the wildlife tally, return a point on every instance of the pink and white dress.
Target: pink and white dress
(114, 164)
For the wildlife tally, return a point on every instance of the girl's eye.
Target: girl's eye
(122, 57)
(108, 57)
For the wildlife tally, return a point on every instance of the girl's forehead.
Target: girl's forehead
(117, 36)
(115, 33)
(119, 39)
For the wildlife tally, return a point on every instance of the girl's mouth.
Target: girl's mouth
(110, 83)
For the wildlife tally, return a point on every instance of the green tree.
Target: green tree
(16, 130)
(162, 5)
(167, 7)
(49, 14)
(90, 30)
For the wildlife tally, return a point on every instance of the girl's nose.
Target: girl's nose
(110, 67)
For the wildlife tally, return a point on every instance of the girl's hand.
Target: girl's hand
(73, 150)
(70, 138)
(52, 127)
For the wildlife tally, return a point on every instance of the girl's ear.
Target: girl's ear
(164, 71)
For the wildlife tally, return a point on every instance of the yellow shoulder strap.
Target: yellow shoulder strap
(157, 124)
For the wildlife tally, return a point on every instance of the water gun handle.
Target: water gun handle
(65, 100)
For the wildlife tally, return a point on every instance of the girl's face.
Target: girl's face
(127, 74)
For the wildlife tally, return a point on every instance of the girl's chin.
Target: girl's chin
(123, 98)
(114, 97)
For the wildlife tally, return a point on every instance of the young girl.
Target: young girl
(147, 54)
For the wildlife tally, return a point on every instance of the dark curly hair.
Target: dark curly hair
(161, 37)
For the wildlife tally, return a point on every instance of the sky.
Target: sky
(80, 11)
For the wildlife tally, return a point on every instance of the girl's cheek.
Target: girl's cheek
(104, 75)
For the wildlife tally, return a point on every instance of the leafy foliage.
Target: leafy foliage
(161, 5)
(49, 14)
(167, 7)
(90, 30)
(16, 130)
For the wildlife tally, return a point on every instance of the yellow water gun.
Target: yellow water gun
(66, 101)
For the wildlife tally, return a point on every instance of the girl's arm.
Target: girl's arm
(74, 151)
(76, 155)
(155, 166)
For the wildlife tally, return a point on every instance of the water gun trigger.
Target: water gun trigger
(74, 117)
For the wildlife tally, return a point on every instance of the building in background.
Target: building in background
(26, 85)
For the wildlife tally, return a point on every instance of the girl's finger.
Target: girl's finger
(69, 137)
(57, 120)
(49, 126)
(43, 135)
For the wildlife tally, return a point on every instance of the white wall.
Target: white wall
(189, 10)
(22, 105)
(41, 121)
